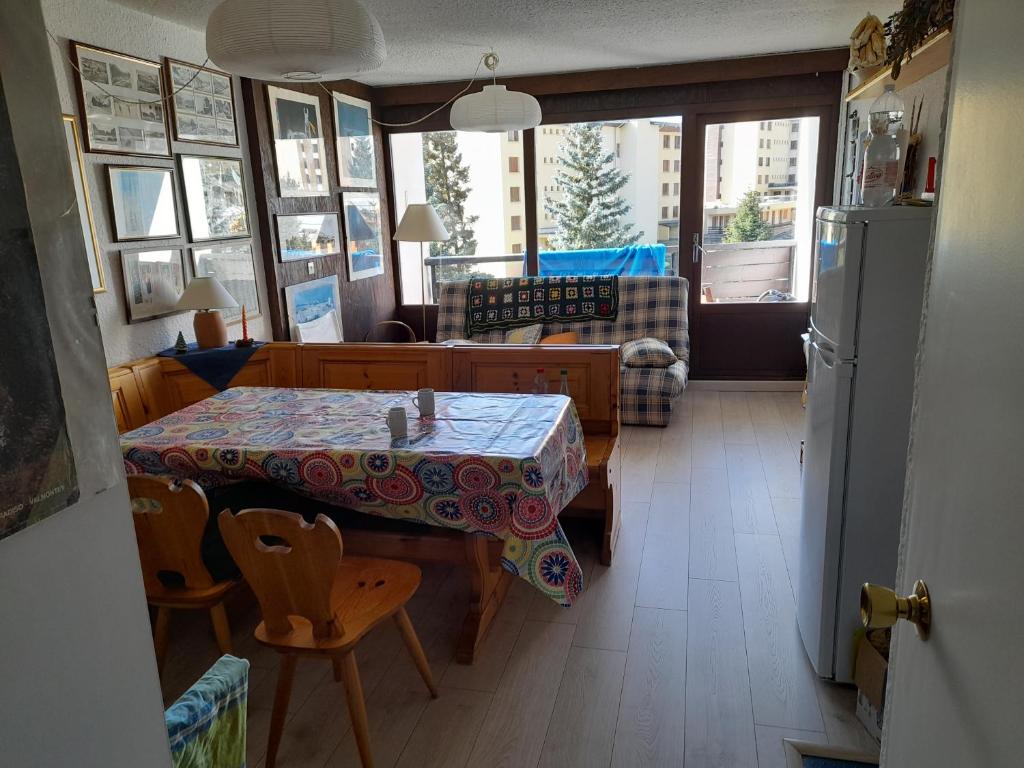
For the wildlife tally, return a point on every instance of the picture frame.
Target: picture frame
(312, 300)
(364, 244)
(299, 146)
(232, 264)
(189, 83)
(120, 101)
(308, 236)
(354, 142)
(142, 203)
(154, 279)
(92, 243)
(215, 202)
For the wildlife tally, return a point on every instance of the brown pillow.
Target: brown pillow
(569, 337)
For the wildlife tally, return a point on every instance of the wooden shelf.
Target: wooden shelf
(933, 54)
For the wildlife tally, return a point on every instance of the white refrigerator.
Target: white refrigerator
(865, 321)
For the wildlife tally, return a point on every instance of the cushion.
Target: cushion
(646, 353)
(569, 337)
(528, 334)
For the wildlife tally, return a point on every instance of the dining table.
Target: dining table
(498, 465)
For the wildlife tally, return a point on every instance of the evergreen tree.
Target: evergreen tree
(447, 186)
(362, 158)
(748, 226)
(590, 213)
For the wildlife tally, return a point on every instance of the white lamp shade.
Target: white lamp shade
(297, 40)
(495, 109)
(205, 293)
(421, 224)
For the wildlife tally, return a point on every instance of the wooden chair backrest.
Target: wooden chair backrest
(290, 565)
(170, 517)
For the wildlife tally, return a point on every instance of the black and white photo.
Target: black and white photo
(203, 110)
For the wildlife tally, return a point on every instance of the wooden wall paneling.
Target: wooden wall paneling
(364, 302)
(376, 366)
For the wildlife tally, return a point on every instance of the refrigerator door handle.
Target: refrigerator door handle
(828, 358)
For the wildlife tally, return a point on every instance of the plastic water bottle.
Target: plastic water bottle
(540, 383)
(880, 180)
(564, 388)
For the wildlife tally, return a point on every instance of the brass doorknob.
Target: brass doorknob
(881, 607)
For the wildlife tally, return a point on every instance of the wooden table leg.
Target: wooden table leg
(489, 583)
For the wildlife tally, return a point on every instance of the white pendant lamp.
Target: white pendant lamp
(495, 109)
(296, 40)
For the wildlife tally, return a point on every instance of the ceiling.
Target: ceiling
(443, 40)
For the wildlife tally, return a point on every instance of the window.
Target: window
(759, 179)
(769, 125)
(675, 211)
(767, 162)
(517, 223)
(513, 194)
(760, 162)
(666, 141)
(664, 211)
(760, 143)
(675, 189)
(794, 144)
(517, 247)
(665, 165)
(513, 135)
(664, 188)
(513, 165)
(678, 142)
(676, 165)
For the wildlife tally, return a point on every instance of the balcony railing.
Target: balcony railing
(746, 272)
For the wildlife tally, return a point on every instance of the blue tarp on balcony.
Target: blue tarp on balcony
(629, 260)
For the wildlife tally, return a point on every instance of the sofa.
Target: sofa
(649, 307)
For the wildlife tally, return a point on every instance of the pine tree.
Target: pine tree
(361, 164)
(590, 213)
(748, 226)
(447, 186)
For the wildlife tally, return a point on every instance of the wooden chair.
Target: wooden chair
(315, 603)
(170, 518)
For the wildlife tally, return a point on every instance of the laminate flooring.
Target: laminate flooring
(684, 652)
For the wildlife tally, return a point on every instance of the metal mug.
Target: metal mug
(424, 400)
(397, 422)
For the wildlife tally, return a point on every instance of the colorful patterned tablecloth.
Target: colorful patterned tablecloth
(499, 464)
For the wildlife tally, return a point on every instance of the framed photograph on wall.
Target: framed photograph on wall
(214, 197)
(299, 147)
(364, 244)
(153, 282)
(308, 236)
(232, 265)
(203, 107)
(92, 245)
(121, 102)
(142, 202)
(310, 301)
(353, 135)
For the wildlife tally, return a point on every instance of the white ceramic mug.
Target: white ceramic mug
(397, 422)
(424, 400)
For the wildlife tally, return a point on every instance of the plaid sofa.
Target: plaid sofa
(648, 306)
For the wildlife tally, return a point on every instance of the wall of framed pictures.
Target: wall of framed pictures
(158, 176)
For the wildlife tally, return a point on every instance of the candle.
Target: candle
(245, 326)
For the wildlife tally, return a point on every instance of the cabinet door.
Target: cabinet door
(126, 400)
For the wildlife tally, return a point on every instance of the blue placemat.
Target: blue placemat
(810, 761)
(218, 366)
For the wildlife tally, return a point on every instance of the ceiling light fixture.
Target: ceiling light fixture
(296, 40)
(495, 109)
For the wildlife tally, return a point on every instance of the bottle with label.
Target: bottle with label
(540, 383)
(563, 389)
(881, 176)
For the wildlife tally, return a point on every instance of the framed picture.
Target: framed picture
(232, 265)
(92, 245)
(299, 146)
(362, 234)
(308, 235)
(353, 134)
(153, 282)
(121, 102)
(203, 107)
(214, 197)
(142, 202)
(312, 300)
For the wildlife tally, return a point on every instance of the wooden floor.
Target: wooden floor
(684, 653)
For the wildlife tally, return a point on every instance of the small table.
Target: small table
(498, 464)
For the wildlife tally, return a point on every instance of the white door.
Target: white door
(957, 699)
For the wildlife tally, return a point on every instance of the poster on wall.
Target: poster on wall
(362, 233)
(37, 467)
(298, 143)
(353, 134)
(232, 265)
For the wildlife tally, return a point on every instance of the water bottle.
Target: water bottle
(540, 383)
(881, 176)
(564, 388)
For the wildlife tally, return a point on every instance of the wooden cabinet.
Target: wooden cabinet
(126, 399)
(376, 366)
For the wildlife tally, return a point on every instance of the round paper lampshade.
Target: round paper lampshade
(495, 109)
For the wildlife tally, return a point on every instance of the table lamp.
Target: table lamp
(421, 224)
(206, 295)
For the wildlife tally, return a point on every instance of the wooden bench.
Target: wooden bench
(144, 390)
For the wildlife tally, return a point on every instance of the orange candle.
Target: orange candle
(245, 326)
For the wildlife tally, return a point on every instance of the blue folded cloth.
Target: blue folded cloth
(217, 366)
(206, 726)
(627, 260)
